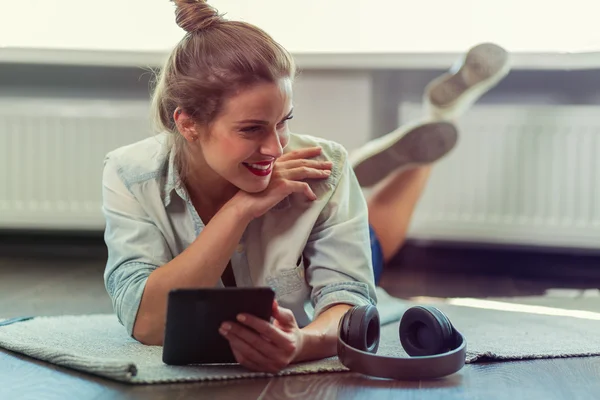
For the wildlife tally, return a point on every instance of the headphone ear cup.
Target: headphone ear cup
(344, 323)
(425, 331)
(360, 328)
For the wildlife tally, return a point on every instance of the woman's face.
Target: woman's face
(249, 134)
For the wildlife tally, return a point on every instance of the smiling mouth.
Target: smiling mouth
(260, 169)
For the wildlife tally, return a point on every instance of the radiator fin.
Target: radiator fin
(51, 154)
(525, 174)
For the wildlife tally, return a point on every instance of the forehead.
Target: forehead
(262, 98)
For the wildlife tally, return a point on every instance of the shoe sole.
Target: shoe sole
(481, 69)
(421, 145)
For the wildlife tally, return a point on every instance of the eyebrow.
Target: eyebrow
(261, 122)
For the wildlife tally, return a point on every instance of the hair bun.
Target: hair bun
(195, 15)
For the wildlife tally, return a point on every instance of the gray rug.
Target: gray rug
(98, 344)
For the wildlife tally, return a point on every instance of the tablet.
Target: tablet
(195, 315)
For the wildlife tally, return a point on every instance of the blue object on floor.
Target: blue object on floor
(14, 320)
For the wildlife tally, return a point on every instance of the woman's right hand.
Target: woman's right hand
(289, 173)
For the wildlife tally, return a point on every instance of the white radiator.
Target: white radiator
(521, 174)
(51, 158)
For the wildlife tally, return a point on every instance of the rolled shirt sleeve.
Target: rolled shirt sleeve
(136, 247)
(338, 250)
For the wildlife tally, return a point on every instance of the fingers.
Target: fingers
(245, 361)
(267, 330)
(248, 356)
(315, 164)
(266, 348)
(308, 152)
(300, 169)
(285, 317)
(295, 166)
(301, 173)
(254, 351)
(301, 187)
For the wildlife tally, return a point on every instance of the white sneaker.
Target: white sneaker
(478, 71)
(409, 146)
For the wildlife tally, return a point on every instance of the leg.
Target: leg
(398, 164)
(398, 176)
(391, 206)
(445, 99)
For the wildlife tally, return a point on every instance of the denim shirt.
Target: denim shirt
(313, 254)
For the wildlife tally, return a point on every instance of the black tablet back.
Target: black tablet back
(195, 315)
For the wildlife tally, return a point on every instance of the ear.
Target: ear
(185, 125)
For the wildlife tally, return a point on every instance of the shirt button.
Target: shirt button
(239, 248)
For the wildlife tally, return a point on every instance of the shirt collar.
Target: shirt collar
(173, 183)
(173, 179)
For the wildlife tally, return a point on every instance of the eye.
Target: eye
(251, 129)
(285, 120)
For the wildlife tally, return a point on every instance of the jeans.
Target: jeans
(377, 255)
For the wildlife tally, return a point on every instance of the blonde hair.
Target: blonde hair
(214, 59)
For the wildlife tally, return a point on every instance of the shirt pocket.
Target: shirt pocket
(288, 281)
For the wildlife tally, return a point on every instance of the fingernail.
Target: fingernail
(222, 332)
(241, 318)
(327, 172)
(226, 327)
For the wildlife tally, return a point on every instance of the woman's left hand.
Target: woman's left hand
(261, 346)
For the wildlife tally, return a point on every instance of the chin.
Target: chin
(254, 187)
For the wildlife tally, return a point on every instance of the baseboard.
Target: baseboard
(436, 256)
(55, 244)
(567, 264)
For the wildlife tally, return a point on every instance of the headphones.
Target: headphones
(436, 348)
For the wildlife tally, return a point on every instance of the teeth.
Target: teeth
(258, 166)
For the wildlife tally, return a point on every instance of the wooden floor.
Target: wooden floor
(51, 286)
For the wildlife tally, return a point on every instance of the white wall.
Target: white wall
(312, 25)
(334, 105)
(51, 162)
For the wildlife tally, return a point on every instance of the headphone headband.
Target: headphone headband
(431, 366)
(422, 367)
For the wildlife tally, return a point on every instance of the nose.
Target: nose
(272, 145)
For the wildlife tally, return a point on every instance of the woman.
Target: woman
(227, 195)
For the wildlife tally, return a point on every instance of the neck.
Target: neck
(207, 189)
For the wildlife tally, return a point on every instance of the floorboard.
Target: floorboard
(56, 285)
